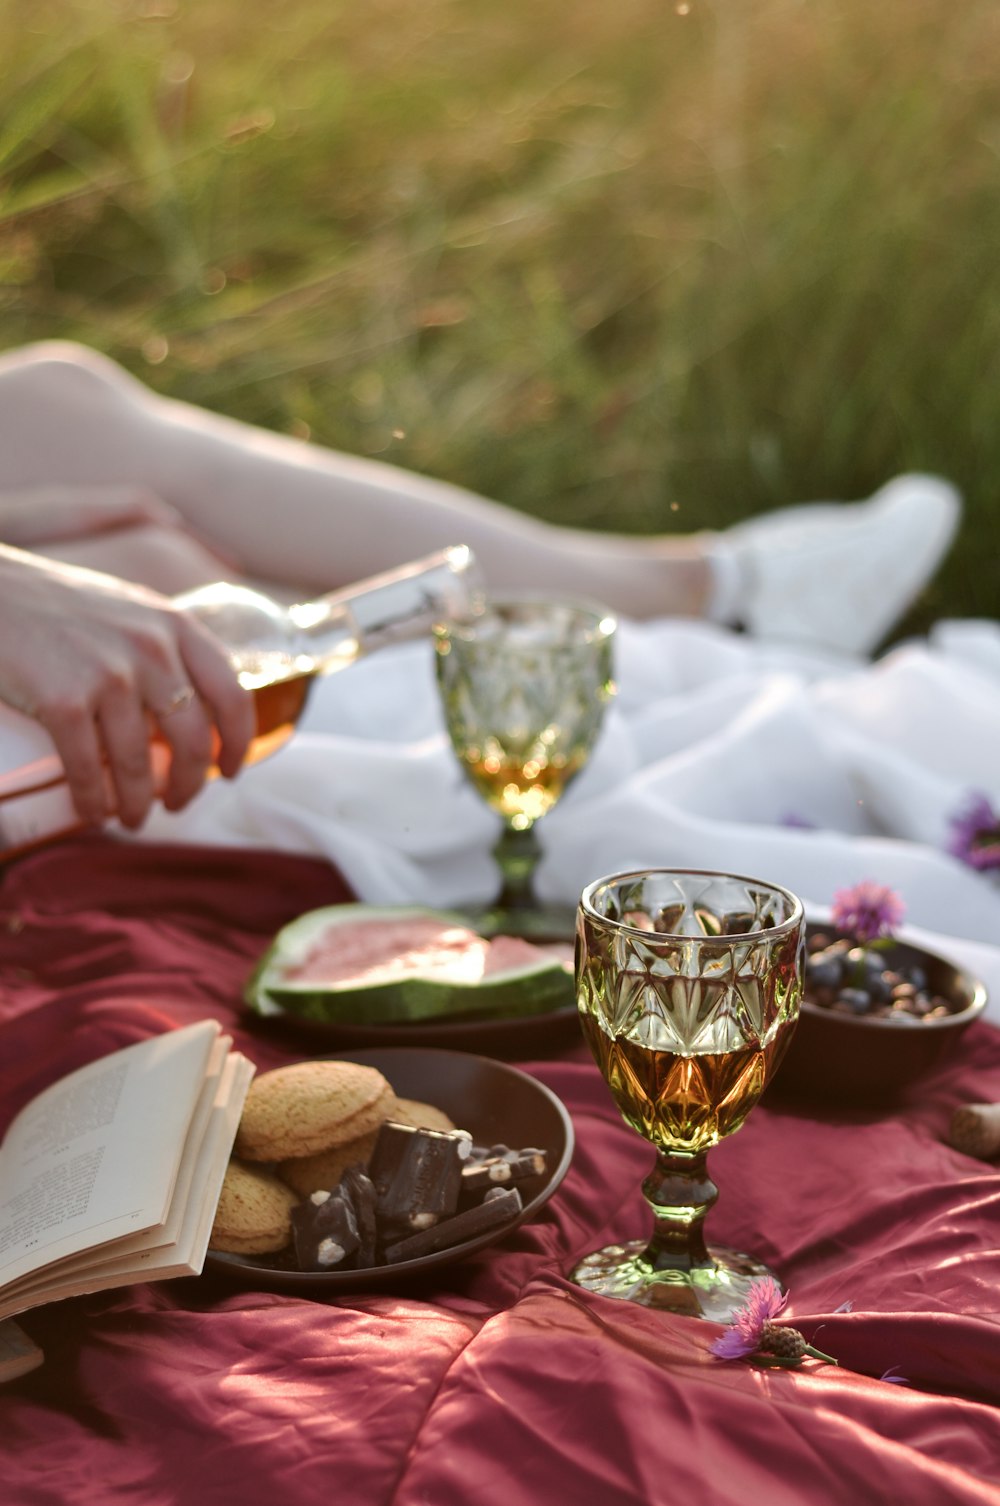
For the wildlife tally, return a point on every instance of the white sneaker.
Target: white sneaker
(834, 575)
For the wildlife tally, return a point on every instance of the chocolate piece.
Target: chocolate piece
(359, 1189)
(498, 1207)
(326, 1232)
(417, 1175)
(501, 1166)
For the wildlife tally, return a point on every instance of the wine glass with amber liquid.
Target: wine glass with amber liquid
(524, 684)
(688, 988)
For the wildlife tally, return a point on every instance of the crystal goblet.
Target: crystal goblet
(524, 683)
(688, 987)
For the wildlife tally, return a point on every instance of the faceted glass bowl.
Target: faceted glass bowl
(688, 986)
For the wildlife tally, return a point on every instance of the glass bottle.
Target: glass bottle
(278, 652)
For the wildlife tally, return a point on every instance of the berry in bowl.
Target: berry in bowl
(877, 1013)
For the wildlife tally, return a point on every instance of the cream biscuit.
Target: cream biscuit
(254, 1213)
(322, 1172)
(421, 1115)
(309, 1107)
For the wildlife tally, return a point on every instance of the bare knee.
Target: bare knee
(62, 370)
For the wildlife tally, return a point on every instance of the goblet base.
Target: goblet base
(713, 1291)
(539, 923)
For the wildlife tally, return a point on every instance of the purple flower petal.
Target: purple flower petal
(867, 911)
(733, 1345)
(975, 833)
(764, 1300)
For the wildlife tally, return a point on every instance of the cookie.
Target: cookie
(254, 1213)
(322, 1172)
(421, 1115)
(309, 1107)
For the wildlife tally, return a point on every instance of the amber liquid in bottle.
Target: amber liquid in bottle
(684, 1103)
(278, 706)
(45, 812)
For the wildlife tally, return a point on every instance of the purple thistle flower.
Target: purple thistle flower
(764, 1301)
(754, 1332)
(868, 911)
(975, 833)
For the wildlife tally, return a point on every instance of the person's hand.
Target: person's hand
(97, 661)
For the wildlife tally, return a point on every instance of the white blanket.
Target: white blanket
(718, 752)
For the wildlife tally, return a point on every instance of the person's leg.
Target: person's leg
(165, 559)
(297, 514)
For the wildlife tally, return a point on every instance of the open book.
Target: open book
(112, 1175)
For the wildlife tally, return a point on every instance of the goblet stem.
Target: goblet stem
(516, 911)
(680, 1192)
(675, 1270)
(517, 854)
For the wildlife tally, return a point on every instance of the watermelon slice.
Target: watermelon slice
(368, 965)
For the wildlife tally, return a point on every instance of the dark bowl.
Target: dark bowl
(496, 1103)
(865, 1061)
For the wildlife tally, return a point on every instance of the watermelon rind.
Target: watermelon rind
(537, 989)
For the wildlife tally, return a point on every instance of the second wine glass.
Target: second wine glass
(524, 684)
(688, 986)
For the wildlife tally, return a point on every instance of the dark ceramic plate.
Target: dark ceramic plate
(496, 1103)
(513, 1037)
(869, 1062)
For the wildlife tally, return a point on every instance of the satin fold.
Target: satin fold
(499, 1382)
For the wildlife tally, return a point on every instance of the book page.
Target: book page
(175, 1249)
(96, 1155)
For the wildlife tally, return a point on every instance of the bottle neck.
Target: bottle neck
(402, 603)
(267, 641)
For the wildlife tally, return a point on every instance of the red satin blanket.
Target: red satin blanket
(502, 1383)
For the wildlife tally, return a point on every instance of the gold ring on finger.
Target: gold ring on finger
(179, 701)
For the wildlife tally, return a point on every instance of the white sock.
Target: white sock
(833, 575)
(727, 591)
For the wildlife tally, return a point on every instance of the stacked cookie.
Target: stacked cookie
(302, 1127)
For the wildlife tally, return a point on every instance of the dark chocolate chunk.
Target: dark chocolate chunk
(358, 1187)
(417, 1174)
(326, 1232)
(501, 1167)
(498, 1207)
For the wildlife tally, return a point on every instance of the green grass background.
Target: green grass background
(641, 264)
